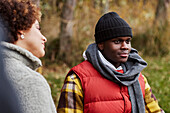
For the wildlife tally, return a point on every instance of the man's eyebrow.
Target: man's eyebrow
(123, 39)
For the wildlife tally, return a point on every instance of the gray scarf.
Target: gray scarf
(132, 68)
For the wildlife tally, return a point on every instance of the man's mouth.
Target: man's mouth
(124, 54)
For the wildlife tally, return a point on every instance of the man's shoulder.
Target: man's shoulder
(84, 69)
(83, 66)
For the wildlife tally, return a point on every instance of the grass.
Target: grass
(157, 73)
(55, 76)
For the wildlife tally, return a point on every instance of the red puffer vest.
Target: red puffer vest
(102, 95)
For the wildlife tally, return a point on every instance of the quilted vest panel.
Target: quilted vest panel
(102, 95)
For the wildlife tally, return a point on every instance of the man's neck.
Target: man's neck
(109, 64)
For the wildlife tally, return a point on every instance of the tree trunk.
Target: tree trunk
(106, 9)
(66, 30)
(104, 6)
(161, 13)
(94, 3)
(133, 1)
(145, 1)
(101, 6)
(116, 2)
(54, 5)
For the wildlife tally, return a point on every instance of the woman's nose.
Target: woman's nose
(44, 38)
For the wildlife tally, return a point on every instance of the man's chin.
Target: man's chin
(123, 60)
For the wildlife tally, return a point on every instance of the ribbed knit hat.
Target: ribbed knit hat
(109, 26)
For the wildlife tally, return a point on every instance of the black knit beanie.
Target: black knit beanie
(109, 26)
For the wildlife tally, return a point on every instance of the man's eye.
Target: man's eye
(128, 41)
(116, 41)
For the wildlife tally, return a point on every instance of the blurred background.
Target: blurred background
(69, 27)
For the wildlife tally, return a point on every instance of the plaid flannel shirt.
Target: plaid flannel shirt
(71, 98)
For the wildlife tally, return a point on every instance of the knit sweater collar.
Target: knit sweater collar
(13, 51)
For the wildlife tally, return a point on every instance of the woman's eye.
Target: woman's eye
(39, 28)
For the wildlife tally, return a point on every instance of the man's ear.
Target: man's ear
(100, 46)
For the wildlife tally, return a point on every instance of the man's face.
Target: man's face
(116, 50)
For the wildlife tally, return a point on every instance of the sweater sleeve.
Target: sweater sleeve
(35, 95)
(71, 98)
(151, 103)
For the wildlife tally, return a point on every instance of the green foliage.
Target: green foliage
(52, 50)
(50, 7)
(55, 75)
(155, 41)
(56, 85)
(148, 39)
(158, 75)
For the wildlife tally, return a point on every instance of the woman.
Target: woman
(23, 47)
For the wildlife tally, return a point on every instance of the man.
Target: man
(110, 79)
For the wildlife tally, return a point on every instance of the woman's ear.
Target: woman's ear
(100, 46)
(20, 34)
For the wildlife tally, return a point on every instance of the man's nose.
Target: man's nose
(124, 45)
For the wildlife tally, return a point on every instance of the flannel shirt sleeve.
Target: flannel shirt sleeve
(71, 98)
(151, 103)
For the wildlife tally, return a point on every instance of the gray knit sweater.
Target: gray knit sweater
(32, 89)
